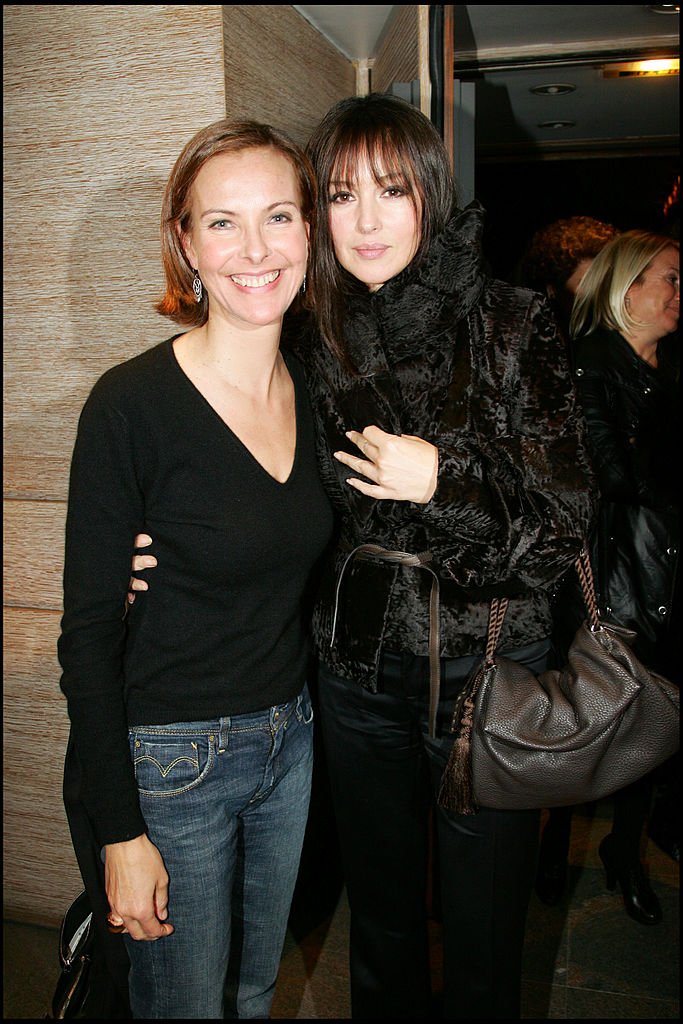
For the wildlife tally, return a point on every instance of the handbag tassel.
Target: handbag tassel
(456, 792)
(457, 788)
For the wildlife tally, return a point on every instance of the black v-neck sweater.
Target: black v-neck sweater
(223, 628)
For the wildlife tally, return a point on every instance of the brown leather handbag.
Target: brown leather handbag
(567, 736)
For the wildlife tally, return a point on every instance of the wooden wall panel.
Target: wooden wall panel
(92, 128)
(304, 76)
(397, 58)
(40, 875)
(33, 553)
(99, 100)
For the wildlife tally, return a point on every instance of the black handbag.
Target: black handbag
(75, 950)
(567, 736)
(86, 987)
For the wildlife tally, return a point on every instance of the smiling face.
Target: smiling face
(375, 226)
(247, 237)
(654, 300)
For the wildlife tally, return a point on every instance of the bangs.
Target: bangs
(387, 164)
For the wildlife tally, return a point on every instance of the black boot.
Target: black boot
(640, 901)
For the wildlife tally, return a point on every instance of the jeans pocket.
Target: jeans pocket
(304, 711)
(169, 764)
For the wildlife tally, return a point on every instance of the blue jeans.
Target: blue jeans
(226, 803)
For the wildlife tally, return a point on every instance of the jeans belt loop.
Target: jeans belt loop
(418, 562)
(223, 737)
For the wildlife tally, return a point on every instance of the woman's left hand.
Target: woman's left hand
(401, 467)
(139, 562)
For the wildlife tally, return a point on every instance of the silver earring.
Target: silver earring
(303, 286)
(197, 286)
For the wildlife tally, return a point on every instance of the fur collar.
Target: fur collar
(416, 307)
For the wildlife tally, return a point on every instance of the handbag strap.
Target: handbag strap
(499, 606)
(420, 561)
(585, 573)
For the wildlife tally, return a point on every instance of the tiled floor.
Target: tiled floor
(585, 959)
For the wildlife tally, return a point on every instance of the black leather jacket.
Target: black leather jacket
(632, 412)
(476, 367)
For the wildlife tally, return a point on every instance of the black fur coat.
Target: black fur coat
(476, 367)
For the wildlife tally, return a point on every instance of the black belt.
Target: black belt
(418, 562)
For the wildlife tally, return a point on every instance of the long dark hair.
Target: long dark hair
(396, 139)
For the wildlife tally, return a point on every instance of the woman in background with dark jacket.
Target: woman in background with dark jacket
(627, 371)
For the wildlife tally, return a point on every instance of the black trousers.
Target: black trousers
(384, 775)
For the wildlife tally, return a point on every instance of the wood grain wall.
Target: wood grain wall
(398, 57)
(99, 100)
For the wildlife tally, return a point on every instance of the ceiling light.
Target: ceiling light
(557, 124)
(641, 69)
(664, 8)
(552, 90)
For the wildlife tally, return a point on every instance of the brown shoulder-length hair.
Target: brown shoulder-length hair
(395, 139)
(224, 136)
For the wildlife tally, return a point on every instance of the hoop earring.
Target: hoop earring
(197, 287)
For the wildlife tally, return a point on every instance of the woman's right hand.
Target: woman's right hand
(142, 540)
(137, 888)
(399, 467)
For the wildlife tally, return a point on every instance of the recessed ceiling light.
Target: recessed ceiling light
(557, 124)
(552, 90)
